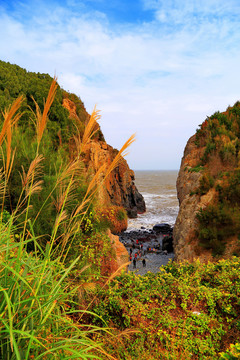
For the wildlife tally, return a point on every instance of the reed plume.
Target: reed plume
(10, 117)
(121, 154)
(101, 175)
(41, 118)
(35, 170)
(88, 132)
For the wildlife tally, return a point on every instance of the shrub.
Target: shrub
(210, 147)
(115, 217)
(184, 311)
(205, 184)
(37, 287)
(232, 354)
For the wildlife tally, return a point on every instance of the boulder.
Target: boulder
(162, 228)
(167, 244)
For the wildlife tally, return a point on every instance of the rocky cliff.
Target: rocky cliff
(184, 233)
(208, 188)
(119, 188)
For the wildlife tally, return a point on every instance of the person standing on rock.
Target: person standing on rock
(144, 262)
(134, 263)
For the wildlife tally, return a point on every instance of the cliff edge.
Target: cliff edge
(208, 189)
(119, 188)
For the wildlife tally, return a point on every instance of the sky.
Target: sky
(156, 68)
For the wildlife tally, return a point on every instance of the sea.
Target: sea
(158, 188)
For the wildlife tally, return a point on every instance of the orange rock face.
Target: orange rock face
(119, 188)
(121, 258)
(184, 233)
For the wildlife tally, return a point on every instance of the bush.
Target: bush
(115, 217)
(205, 184)
(184, 311)
(215, 226)
(232, 354)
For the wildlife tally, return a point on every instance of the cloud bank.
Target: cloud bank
(158, 74)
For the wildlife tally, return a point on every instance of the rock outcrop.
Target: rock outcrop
(119, 188)
(186, 243)
(121, 256)
(207, 226)
(187, 182)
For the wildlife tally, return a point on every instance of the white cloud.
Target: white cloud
(158, 81)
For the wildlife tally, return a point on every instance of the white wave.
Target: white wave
(161, 200)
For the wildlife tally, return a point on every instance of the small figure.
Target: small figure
(137, 241)
(144, 262)
(130, 257)
(135, 256)
(134, 263)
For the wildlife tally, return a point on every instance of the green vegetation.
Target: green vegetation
(115, 217)
(36, 300)
(58, 300)
(37, 305)
(197, 168)
(232, 354)
(50, 237)
(219, 138)
(187, 311)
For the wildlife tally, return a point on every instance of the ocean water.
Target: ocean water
(159, 191)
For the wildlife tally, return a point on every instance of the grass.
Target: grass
(37, 291)
(35, 320)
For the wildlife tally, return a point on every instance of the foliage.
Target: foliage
(47, 207)
(36, 305)
(219, 139)
(186, 311)
(115, 218)
(215, 226)
(205, 184)
(197, 168)
(232, 354)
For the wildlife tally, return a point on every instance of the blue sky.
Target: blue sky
(156, 68)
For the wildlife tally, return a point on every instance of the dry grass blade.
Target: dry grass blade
(74, 168)
(92, 188)
(41, 118)
(2, 184)
(35, 169)
(35, 188)
(102, 174)
(120, 155)
(9, 142)
(9, 119)
(88, 133)
(116, 273)
(60, 218)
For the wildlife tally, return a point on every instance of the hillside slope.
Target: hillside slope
(208, 186)
(66, 112)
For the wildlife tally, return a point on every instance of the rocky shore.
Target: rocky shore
(151, 248)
